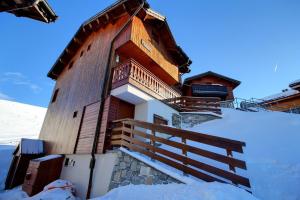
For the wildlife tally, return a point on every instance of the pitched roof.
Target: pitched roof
(210, 73)
(35, 9)
(109, 14)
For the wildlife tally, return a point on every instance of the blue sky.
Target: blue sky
(256, 42)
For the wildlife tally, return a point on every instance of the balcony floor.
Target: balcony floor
(131, 94)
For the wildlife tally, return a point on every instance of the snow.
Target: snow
(295, 82)
(287, 93)
(6, 152)
(199, 191)
(204, 113)
(31, 146)
(19, 120)
(50, 157)
(57, 190)
(159, 167)
(271, 152)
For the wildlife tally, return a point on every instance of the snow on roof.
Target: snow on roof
(31, 146)
(50, 157)
(295, 82)
(281, 95)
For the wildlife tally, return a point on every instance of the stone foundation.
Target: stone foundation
(189, 120)
(129, 170)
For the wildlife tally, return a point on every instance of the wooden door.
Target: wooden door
(87, 129)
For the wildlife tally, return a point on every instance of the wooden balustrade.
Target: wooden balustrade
(127, 133)
(133, 73)
(195, 104)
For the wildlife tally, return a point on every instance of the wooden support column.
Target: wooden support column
(184, 153)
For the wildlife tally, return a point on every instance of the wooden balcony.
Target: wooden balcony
(195, 104)
(131, 72)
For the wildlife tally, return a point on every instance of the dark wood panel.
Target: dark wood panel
(88, 129)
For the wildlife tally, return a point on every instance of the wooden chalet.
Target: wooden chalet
(286, 101)
(210, 84)
(118, 83)
(35, 9)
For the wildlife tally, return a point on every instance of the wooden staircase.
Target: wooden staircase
(146, 138)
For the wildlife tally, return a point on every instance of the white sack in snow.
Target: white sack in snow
(57, 190)
(201, 191)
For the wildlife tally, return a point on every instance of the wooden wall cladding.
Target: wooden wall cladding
(87, 129)
(78, 86)
(141, 35)
(114, 109)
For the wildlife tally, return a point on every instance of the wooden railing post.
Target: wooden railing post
(184, 153)
(231, 167)
(152, 142)
(122, 133)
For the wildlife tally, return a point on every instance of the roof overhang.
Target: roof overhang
(110, 14)
(210, 73)
(34, 9)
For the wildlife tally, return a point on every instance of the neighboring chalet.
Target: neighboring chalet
(210, 84)
(35, 9)
(286, 101)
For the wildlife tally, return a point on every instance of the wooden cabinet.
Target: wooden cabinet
(41, 172)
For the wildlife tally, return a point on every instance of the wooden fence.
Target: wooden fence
(125, 133)
(195, 104)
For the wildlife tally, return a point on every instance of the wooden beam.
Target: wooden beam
(16, 7)
(77, 41)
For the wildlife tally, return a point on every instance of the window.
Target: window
(75, 114)
(71, 65)
(54, 96)
(159, 120)
(89, 47)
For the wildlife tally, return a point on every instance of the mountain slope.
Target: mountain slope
(19, 120)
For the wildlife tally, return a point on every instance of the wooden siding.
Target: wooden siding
(87, 129)
(79, 86)
(284, 104)
(187, 90)
(158, 53)
(114, 109)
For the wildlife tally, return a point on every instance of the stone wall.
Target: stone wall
(189, 120)
(129, 170)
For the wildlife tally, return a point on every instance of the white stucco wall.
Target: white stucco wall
(146, 111)
(79, 173)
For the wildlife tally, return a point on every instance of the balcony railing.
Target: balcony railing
(195, 104)
(135, 74)
(208, 90)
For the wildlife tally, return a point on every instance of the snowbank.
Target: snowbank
(201, 191)
(19, 120)
(57, 190)
(271, 152)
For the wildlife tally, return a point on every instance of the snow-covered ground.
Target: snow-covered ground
(201, 191)
(271, 152)
(19, 120)
(57, 190)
